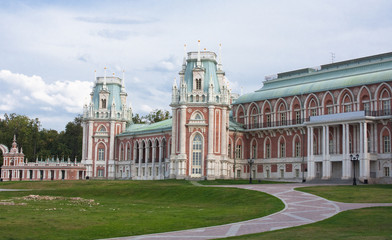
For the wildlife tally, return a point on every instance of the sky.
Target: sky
(49, 50)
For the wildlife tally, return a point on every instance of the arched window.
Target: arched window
(282, 114)
(267, 151)
(347, 104)
(102, 129)
(385, 102)
(238, 150)
(198, 84)
(386, 142)
(103, 101)
(282, 148)
(312, 108)
(198, 116)
(297, 152)
(128, 152)
(197, 155)
(254, 149)
(101, 154)
(253, 118)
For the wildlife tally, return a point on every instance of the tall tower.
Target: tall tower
(200, 106)
(106, 116)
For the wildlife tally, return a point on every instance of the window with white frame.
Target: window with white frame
(386, 106)
(254, 151)
(298, 149)
(366, 106)
(268, 150)
(196, 154)
(386, 171)
(100, 172)
(282, 149)
(331, 146)
(387, 144)
(298, 116)
(238, 151)
(101, 154)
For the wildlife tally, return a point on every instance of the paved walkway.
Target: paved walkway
(300, 208)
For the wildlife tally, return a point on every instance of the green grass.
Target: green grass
(235, 182)
(125, 208)
(368, 223)
(353, 194)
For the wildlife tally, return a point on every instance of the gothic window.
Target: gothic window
(297, 116)
(298, 149)
(268, 150)
(198, 117)
(129, 153)
(103, 101)
(101, 154)
(282, 149)
(197, 155)
(229, 151)
(386, 144)
(238, 151)
(102, 129)
(282, 114)
(313, 108)
(254, 118)
(366, 106)
(122, 153)
(329, 107)
(198, 84)
(254, 151)
(347, 104)
(268, 116)
(386, 107)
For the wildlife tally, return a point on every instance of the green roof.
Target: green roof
(330, 77)
(139, 129)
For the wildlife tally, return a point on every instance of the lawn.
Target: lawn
(102, 209)
(235, 182)
(368, 223)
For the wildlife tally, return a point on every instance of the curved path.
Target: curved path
(300, 208)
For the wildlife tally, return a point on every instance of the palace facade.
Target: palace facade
(329, 122)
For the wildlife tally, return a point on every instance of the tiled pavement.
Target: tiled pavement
(300, 208)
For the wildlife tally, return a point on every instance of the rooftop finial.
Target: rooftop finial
(220, 57)
(198, 54)
(104, 81)
(174, 82)
(123, 82)
(95, 75)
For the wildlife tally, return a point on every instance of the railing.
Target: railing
(379, 113)
(276, 123)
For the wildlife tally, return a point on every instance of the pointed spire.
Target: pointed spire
(104, 81)
(123, 82)
(95, 76)
(198, 54)
(220, 57)
(175, 83)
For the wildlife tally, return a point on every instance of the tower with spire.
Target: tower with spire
(103, 119)
(200, 109)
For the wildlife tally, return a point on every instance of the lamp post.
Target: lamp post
(354, 159)
(250, 161)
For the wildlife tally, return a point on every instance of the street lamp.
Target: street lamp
(250, 161)
(354, 159)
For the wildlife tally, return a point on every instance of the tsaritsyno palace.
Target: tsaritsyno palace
(305, 124)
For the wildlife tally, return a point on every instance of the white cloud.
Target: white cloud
(66, 95)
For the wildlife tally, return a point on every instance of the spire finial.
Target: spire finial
(220, 53)
(95, 75)
(198, 53)
(175, 82)
(104, 81)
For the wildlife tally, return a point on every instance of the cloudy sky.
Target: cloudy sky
(50, 49)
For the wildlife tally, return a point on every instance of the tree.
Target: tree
(157, 115)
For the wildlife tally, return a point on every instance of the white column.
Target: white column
(311, 169)
(210, 156)
(182, 156)
(146, 152)
(153, 153)
(160, 161)
(140, 161)
(364, 159)
(224, 134)
(173, 144)
(326, 156)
